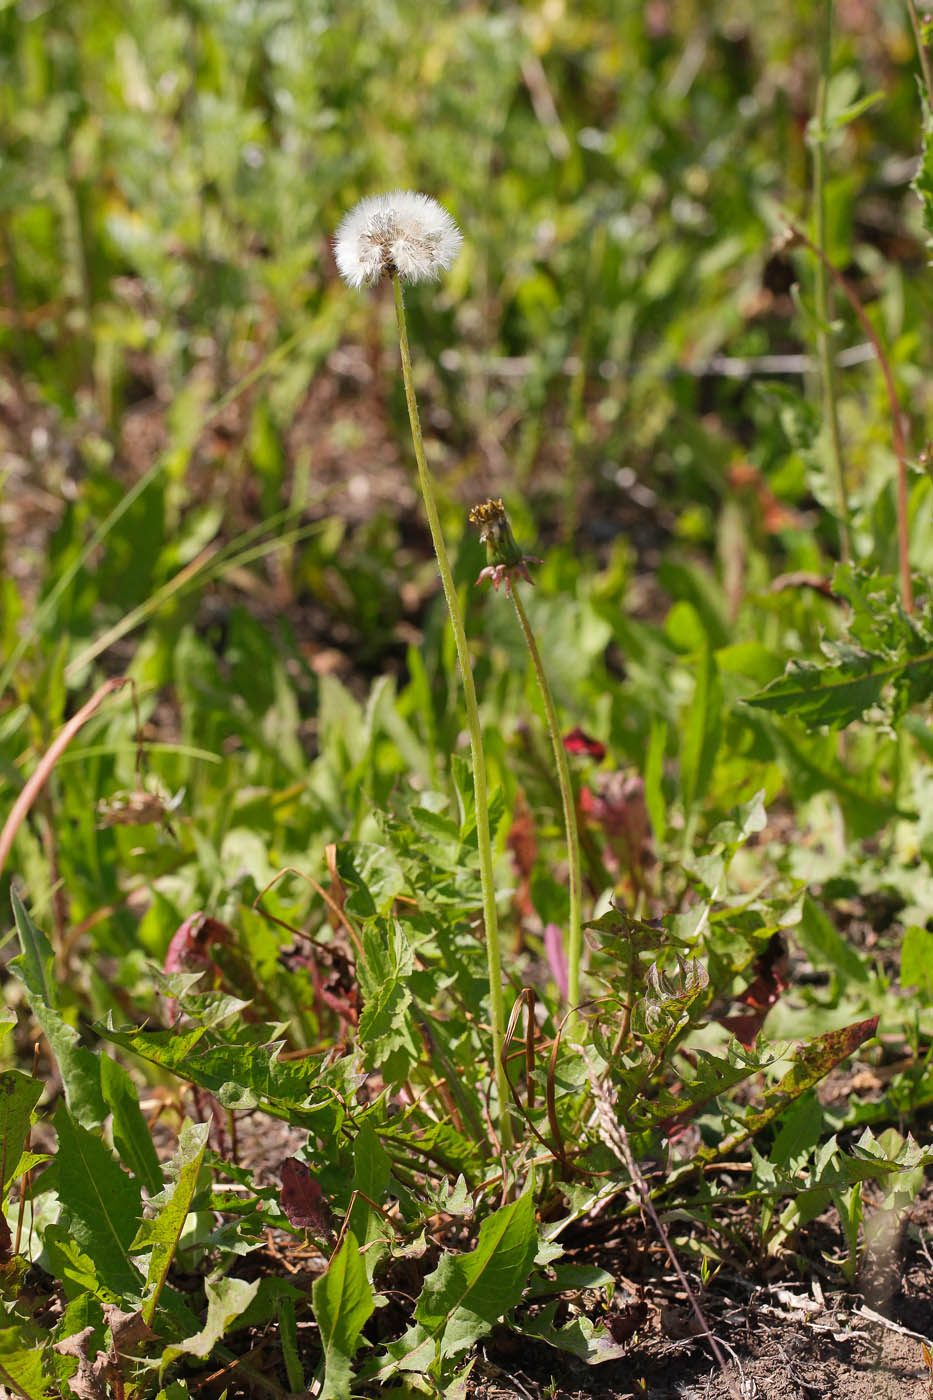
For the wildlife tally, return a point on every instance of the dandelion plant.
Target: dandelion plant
(409, 237)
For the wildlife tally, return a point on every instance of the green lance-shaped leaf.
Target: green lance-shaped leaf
(468, 1293)
(34, 965)
(343, 1301)
(702, 732)
(162, 1234)
(371, 1170)
(102, 1203)
(18, 1097)
(80, 1069)
(917, 961)
(131, 1136)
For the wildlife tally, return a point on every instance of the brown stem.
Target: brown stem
(37, 782)
(900, 445)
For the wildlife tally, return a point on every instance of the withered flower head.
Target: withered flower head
(504, 556)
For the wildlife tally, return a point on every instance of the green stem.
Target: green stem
(483, 842)
(575, 935)
(922, 51)
(823, 304)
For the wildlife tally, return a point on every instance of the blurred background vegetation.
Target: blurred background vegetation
(205, 469)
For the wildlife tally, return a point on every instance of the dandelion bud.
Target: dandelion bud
(403, 232)
(496, 534)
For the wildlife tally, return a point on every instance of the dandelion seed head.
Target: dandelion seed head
(402, 232)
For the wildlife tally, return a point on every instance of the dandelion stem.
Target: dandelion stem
(922, 51)
(823, 301)
(575, 936)
(483, 841)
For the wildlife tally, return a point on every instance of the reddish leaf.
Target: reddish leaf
(303, 1200)
(761, 994)
(577, 741)
(6, 1240)
(556, 958)
(524, 851)
(187, 951)
(623, 1325)
(617, 805)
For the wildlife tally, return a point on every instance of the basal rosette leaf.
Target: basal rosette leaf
(468, 1293)
(19, 1094)
(101, 1203)
(343, 1301)
(80, 1068)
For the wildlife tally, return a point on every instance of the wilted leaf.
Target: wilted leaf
(588, 1341)
(812, 1062)
(303, 1200)
(226, 1299)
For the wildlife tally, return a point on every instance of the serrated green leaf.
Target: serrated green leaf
(131, 1136)
(21, 1368)
(162, 1233)
(588, 1341)
(342, 1301)
(69, 1263)
(102, 1203)
(827, 694)
(226, 1299)
(387, 963)
(468, 1293)
(80, 1069)
(256, 1068)
(19, 1095)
